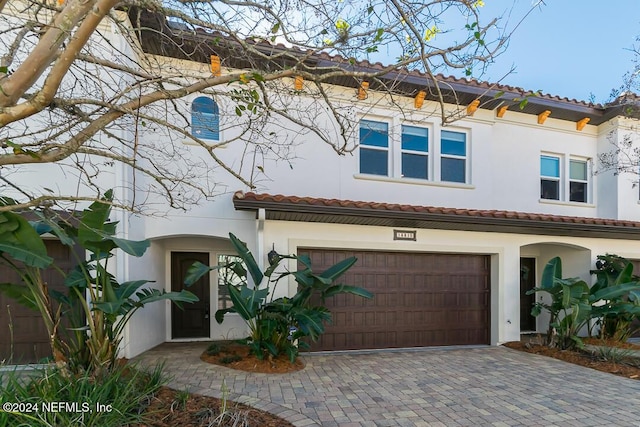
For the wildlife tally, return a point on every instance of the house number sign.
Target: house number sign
(404, 235)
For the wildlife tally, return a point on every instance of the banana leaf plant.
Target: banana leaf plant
(105, 304)
(617, 314)
(574, 304)
(277, 326)
(22, 249)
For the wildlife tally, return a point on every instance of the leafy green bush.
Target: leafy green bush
(214, 349)
(617, 314)
(123, 392)
(574, 305)
(97, 321)
(278, 325)
(230, 359)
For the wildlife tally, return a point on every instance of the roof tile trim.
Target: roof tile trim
(378, 206)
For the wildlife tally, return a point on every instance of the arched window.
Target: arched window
(205, 118)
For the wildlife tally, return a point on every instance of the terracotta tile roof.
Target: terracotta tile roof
(314, 209)
(406, 82)
(337, 59)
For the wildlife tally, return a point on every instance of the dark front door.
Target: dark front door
(193, 320)
(527, 282)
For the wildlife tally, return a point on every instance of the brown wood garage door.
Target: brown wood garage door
(23, 337)
(421, 299)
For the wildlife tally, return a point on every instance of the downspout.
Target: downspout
(122, 193)
(262, 216)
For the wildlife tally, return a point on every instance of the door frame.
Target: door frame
(179, 329)
(214, 328)
(535, 281)
(213, 292)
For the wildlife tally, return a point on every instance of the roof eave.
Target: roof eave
(287, 211)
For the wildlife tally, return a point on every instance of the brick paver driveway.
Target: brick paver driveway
(492, 386)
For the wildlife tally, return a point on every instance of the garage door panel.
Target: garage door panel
(421, 299)
(23, 336)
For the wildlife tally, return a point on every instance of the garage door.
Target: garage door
(23, 337)
(421, 299)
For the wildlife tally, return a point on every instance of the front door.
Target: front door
(192, 321)
(527, 282)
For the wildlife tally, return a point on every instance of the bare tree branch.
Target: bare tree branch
(88, 87)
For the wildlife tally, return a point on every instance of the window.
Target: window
(410, 152)
(415, 152)
(374, 147)
(205, 118)
(550, 177)
(227, 274)
(578, 181)
(453, 156)
(554, 185)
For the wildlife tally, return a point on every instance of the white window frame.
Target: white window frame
(427, 154)
(388, 149)
(564, 179)
(557, 179)
(466, 156)
(585, 181)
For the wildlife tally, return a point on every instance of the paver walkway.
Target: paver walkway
(492, 386)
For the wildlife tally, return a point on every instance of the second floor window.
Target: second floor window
(205, 118)
(564, 178)
(578, 181)
(550, 177)
(415, 152)
(374, 147)
(453, 156)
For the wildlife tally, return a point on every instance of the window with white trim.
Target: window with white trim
(564, 178)
(415, 152)
(578, 181)
(453, 156)
(374, 147)
(205, 118)
(409, 151)
(549, 177)
(227, 275)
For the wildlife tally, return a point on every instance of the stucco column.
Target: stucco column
(509, 294)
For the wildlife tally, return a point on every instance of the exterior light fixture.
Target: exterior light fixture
(502, 110)
(473, 107)
(362, 91)
(543, 116)
(215, 65)
(419, 99)
(298, 83)
(582, 123)
(273, 256)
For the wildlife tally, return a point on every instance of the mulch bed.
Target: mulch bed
(169, 409)
(237, 356)
(172, 408)
(580, 358)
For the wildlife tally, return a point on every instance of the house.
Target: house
(451, 224)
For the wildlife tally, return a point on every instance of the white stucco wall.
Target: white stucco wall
(503, 163)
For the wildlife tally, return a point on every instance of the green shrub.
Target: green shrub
(230, 359)
(614, 354)
(123, 392)
(278, 326)
(574, 305)
(214, 349)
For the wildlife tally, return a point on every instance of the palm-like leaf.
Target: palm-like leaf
(247, 257)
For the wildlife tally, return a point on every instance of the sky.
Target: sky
(569, 48)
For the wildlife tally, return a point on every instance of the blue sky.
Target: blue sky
(570, 48)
